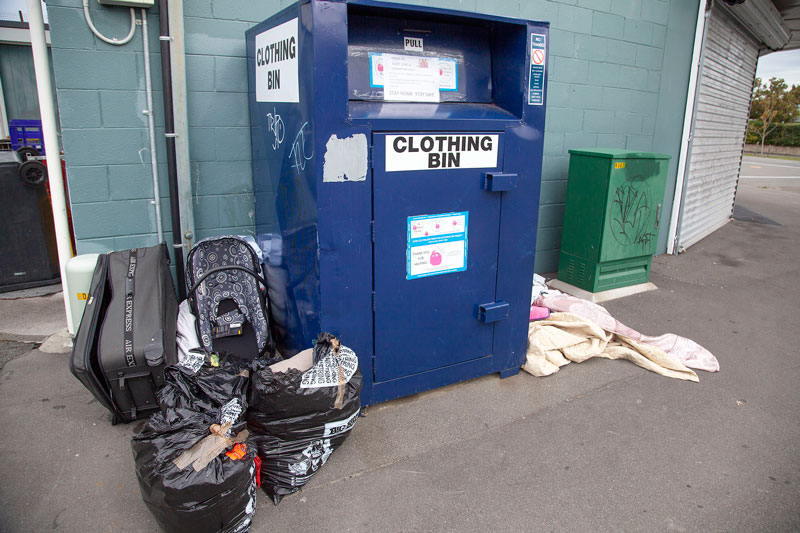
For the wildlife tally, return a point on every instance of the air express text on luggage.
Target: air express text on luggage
(397, 160)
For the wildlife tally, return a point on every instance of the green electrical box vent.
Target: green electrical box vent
(577, 269)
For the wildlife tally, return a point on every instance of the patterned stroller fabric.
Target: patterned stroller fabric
(226, 301)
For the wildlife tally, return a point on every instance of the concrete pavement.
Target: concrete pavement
(601, 446)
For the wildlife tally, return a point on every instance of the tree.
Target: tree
(794, 94)
(771, 104)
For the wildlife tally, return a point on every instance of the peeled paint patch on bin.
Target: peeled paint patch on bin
(345, 159)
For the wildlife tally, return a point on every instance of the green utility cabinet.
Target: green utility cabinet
(613, 206)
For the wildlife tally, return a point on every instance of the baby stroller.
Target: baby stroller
(227, 295)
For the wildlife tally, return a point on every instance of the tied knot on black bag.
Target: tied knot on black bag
(323, 346)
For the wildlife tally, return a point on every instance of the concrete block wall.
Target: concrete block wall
(104, 132)
(605, 79)
(605, 73)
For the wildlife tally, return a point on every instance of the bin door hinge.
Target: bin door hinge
(371, 155)
(373, 301)
(372, 230)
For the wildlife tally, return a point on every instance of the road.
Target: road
(769, 172)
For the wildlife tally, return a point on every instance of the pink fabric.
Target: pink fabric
(686, 350)
(539, 313)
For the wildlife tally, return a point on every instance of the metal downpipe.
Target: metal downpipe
(169, 126)
(151, 128)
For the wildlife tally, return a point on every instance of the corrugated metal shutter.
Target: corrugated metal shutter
(723, 102)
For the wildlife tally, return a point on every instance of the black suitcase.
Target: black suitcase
(127, 335)
(83, 363)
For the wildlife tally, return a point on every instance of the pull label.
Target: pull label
(412, 44)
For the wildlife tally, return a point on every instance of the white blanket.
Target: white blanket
(565, 337)
(685, 350)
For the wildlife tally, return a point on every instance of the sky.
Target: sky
(784, 65)
(9, 10)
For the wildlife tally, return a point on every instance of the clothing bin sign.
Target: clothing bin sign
(441, 151)
(276, 71)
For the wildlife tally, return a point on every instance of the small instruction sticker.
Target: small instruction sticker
(448, 74)
(437, 244)
(538, 62)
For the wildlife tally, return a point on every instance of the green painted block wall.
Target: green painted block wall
(617, 78)
(101, 96)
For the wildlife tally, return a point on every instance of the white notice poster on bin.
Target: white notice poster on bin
(410, 78)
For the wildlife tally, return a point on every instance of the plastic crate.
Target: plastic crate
(26, 133)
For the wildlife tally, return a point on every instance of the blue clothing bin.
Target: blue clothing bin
(396, 168)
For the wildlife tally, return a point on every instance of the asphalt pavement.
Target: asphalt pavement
(598, 446)
(769, 168)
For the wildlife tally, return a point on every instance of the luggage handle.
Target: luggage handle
(131, 399)
(132, 376)
(223, 269)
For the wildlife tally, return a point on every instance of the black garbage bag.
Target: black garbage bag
(297, 419)
(206, 382)
(219, 497)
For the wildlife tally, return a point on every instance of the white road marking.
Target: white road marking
(770, 177)
(772, 165)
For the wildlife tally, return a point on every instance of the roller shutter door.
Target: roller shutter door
(722, 105)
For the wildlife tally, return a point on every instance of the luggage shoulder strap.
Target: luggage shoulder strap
(128, 329)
